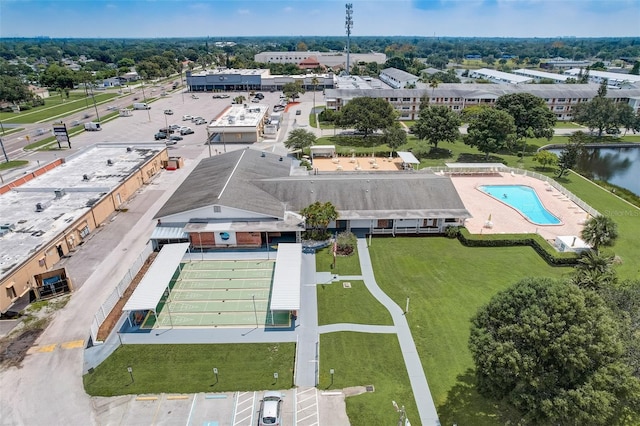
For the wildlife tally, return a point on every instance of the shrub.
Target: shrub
(452, 231)
(538, 243)
(346, 242)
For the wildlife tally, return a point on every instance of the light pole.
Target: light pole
(94, 103)
(255, 311)
(3, 151)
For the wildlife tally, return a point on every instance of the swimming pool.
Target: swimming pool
(524, 199)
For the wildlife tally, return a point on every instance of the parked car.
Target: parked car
(160, 135)
(270, 408)
(166, 130)
(200, 121)
(260, 96)
(175, 127)
(194, 97)
(186, 131)
(223, 96)
(196, 118)
(255, 100)
(298, 112)
(168, 112)
(186, 118)
(175, 138)
(277, 108)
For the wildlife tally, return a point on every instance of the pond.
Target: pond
(619, 166)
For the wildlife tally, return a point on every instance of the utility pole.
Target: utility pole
(348, 25)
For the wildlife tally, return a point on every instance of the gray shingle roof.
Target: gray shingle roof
(248, 181)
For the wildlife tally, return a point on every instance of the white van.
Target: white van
(141, 105)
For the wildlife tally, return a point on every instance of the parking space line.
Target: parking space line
(193, 404)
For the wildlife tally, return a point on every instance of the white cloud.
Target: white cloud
(244, 12)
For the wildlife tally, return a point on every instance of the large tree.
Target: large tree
(437, 124)
(394, 137)
(569, 155)
(292, 90)
(490, 130)
(531, 115)
(600, 231)
(600, 113)
(366, 115)
(552, 351)
(300, 139)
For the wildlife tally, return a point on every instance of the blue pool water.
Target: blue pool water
(525, 200)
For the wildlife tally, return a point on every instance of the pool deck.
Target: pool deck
(507, 220)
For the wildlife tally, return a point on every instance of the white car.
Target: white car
(186, 131)
(270, 409)
(186, 118)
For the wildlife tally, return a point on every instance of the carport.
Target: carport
(285, 294)
(408, 159)
(156, 281)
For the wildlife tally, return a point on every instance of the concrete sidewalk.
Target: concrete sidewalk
(419, 385)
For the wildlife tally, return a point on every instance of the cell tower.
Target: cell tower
(348, 24)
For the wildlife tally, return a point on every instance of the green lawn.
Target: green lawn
(447, 283)
(55, 107)
(337, 304)
(627, 217)
(361, 359)
(12, 164)
(345, 265)
(568, 125)
(189, 369)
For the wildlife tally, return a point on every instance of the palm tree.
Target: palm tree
(433, 83)
(315, 82)
(594, 271)
(318, 216)
(600, 231)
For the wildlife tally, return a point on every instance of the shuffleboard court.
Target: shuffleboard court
(220, 293)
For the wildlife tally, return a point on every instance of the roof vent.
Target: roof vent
(280, 159)
(262, 154)
(40, 207)
(109, 162)
(60, 193)
(129, 148)
(87, 176)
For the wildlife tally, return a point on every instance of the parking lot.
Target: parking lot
(300, 407)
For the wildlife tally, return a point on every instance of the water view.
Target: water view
(619, 166)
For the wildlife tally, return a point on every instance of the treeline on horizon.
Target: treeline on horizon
(111, 50)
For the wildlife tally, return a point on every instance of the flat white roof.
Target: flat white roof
(84, 179)
(505, 76)
(614, 76)
(148, 293)
(285, 294)
(541, 74)
(408, 157)
(238, 116)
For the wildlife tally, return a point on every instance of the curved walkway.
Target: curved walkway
(419, 385)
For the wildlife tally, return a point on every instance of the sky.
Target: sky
(228, 18)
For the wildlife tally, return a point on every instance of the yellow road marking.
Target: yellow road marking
(73, 344)
(146, 398)
(178, 397)
(46, 348)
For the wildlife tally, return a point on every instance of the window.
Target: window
(456, 99)
(446, 99)
(450, 220)
(393, 99)
(456, 107)
(217, 209)
(84, 231)
(561, 99)
(406, 99)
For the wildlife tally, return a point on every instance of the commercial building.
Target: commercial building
(224, 79)
(559, 98)
(245, 198)
(47, 214)
(328, 59)
(239, 124)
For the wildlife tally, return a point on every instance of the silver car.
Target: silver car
(270, 409)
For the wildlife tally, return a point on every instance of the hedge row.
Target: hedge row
(539, 244)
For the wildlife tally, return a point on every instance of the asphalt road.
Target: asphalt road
(48, 388)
